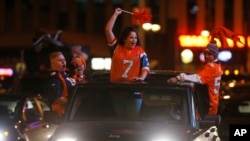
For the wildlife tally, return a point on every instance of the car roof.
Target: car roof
(155, 76)
(155, 79)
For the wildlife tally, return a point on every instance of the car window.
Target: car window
(45, 106)
(31, 112)
(244, 107)
(130, 103)
(8, 107)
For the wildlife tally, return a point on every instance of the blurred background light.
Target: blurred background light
(155, 27)
(100, 63)
(225, 55)
(152, 27)
(187, 56)
(147, 26)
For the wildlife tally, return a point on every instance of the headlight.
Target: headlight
(162, 139)
(66, 139)
(3, 134)
(159, 140)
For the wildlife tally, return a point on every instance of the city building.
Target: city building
(84, 21)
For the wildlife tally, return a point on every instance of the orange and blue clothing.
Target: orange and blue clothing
(211, 75)
(55, 87)
(59, 85)
(127, 63)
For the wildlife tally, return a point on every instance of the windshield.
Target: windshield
(130, 103)
(8, 107)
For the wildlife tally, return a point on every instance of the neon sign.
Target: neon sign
(202, 41)
(6, 72)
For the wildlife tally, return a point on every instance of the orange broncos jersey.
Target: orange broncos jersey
(127, 64)
(211, 75)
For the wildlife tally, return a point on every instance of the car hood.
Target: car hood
(117, 130)
(6, 121)
(7, 126)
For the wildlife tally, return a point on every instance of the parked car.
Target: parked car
(234, 109)
(22, 118)
(134, 111)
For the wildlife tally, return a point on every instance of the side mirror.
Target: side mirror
(51, 117)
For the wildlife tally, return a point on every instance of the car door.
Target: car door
(36, 128)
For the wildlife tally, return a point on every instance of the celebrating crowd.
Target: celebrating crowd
(129, 63)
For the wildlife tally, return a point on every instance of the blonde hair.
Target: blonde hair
(55, 54)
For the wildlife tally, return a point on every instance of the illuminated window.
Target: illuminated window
(100, 63)
(107, 63)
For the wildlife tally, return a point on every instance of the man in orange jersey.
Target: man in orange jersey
(210, 75)
(129, 60)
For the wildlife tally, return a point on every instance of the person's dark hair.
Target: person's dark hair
(125, 33)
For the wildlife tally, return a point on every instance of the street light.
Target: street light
(153, 27)
(205, 33)
(147, 26)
